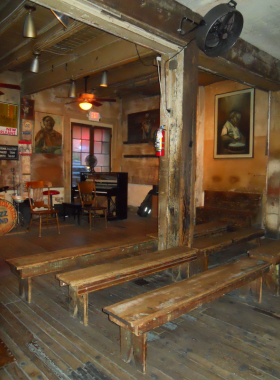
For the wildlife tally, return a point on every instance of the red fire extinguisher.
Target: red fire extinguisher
(160, 141)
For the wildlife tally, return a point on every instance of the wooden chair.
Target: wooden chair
(89, 202)
(36, 200)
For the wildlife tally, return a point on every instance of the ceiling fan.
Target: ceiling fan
(87, 100)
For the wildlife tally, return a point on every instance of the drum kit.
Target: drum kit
(10, 216)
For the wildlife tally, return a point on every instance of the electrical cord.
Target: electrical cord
(140, 59)
(165, 65)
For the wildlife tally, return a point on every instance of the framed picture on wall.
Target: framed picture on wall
(142, 125)
(234, 124)
(48, 133)
(9, 119)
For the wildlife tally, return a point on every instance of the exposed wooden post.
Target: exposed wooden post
(273, 170)
(177, 167)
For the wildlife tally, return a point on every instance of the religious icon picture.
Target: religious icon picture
(234, 124)
(48, 132)
(141, 126)
(27, 109)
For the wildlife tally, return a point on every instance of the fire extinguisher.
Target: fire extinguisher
(160, 141)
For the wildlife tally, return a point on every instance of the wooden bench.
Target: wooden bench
(143, 313)
(84, 281)
(269, 251)
(26, 267)
(211, 244)
(234, 208)
(204, 229)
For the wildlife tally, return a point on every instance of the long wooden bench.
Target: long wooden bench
(81, 282)
(204, 229)
(269, 251)
(234, 208)
(143, 313)
(27, 267)
(211, 244)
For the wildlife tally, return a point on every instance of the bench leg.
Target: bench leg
(272, 279)
(25, 288)
(244, 290)
(73, 301)
(256, 289)
(126, 345)
(133, 346)
(78, 305)
(83, 309)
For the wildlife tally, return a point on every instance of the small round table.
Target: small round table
(52, 192)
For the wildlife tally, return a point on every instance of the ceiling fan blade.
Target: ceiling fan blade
(12, 86)
(74, 101)
(97, 104)
(105, 100)
(63, 97)
(1, 93)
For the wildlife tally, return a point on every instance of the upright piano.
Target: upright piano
(111, 185)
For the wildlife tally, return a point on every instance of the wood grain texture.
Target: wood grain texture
(124, 267)
(155, 308)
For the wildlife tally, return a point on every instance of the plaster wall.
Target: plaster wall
(235, 174)
(142, 172)
(48, 101)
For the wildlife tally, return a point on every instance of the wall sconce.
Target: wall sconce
(72, 90)
(29, 29)
(34, 68)
(63, 19)
(103, 82)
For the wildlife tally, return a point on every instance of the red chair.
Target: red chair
(45, 211)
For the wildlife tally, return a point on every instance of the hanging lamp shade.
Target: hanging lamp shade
(29, 29)
(34, 68)
(72, 89)
(85, 105)
(63, 19)
(103, 82)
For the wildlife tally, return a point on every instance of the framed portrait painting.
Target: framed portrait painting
(142, 125)
(48, 133)
(234, 124)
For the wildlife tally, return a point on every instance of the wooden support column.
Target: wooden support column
(177, 167)
(273, 170)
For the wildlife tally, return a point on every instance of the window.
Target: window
(87, 140)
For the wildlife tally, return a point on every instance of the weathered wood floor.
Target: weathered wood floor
(230, 338)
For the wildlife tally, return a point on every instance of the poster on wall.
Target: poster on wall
(234, 124)
(26, 129)
(27, 109)
(48, 133)
(142, 125)
(24, 148)
(8, 119)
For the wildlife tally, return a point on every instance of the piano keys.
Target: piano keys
(111, 184)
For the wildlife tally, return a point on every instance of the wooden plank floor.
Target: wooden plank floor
(230, 338)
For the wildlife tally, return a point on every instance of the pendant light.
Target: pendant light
(29, 29)
(85, 105)
(72, 90)
(63, 19)
(34, 68)
(103, 82)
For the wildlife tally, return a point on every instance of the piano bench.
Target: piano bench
(74, 208)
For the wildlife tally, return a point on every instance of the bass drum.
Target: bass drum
(8, 217)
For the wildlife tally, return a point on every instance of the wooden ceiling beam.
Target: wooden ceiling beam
(11, 13)
(154, 24)
(103, 53)
(53, 34)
